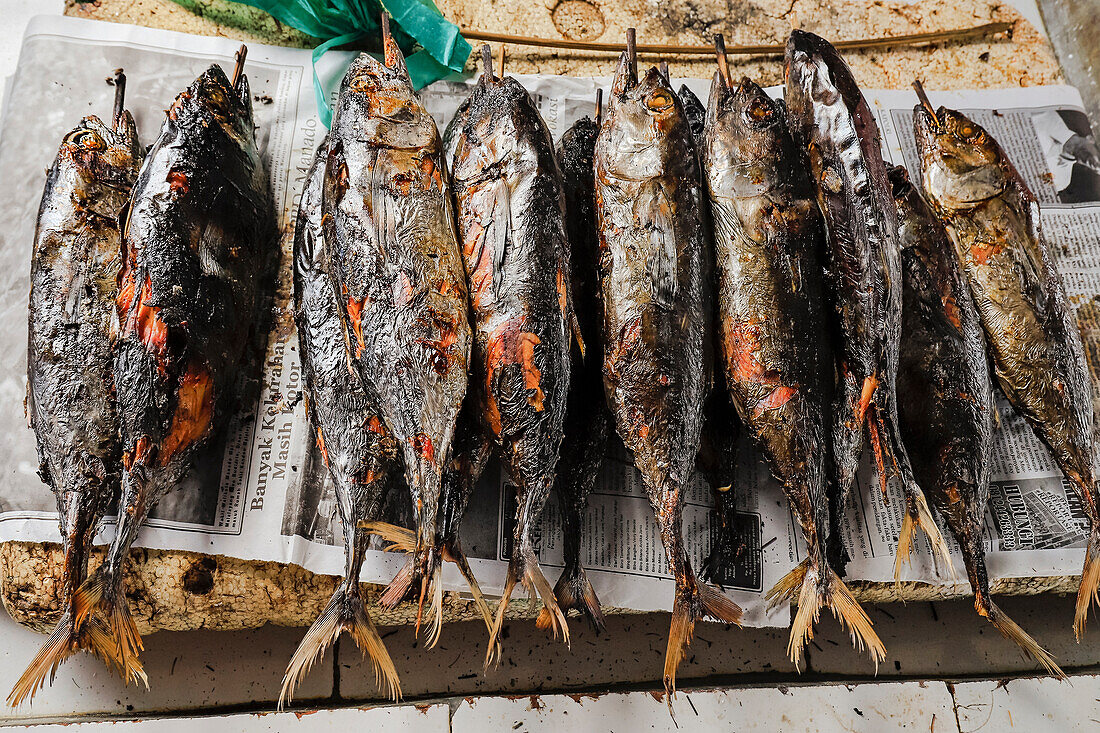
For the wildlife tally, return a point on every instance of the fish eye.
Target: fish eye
(969, 132)
(87, 139)
(758, 111)
(659, 100)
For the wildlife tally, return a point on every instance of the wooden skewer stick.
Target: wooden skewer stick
(924, 101)
(385, 28)
(238, 69)
(723, 60)
(487, 61)
(632, 51)
(599, 107)
(664, 72)
(911, 39)
(500, 66)
(120, 97)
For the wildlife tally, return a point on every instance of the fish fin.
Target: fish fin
(1010, 630)
(453, 552)
(345, 612)
(66, 640)
(1088, 592)
(690, 604)
(918, 515)
(815, 590)
(102, 595)
(574, 591)
(575, 326)
(399, 587)
(401, 540)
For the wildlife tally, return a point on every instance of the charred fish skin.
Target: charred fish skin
(587, 419)
(652, 272)
(197, 242)
(389, 229)
(71, 403)
(358, 449)
(993, 220)
(717, 458)
(945, 393)
(833, 121)
(769, 238)
(511, 221)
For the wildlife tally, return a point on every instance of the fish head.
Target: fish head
(961, 164)
(747, 140)
(97, 152)
(808, 74)
(378, 100)
(211, 95)
(496, 129)
(641, 115)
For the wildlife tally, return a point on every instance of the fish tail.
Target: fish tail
(345, 612)
(101, 596)
(399, 538)
(534, 580)
(432, 589)
(493, 653)
(1011, 630)
(1089, 590)
(694, 600)
(853, 618)
(66, 640)
(453, 551)
(574, 591)
(817, 588)
(918, 515)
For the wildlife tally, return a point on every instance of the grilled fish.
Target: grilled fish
(945, 394)
(717, 458)
(397, 269)
(70, 384)
(511, 223)
(831, 119)
(356, 446)
(198, 247)
(769, 237)
(648, 203)
(1038, 359)
(587, 420)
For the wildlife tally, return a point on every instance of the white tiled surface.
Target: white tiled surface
(882, 708)
(406, 718)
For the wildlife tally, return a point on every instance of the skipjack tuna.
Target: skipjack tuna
(717, 458)
(389, 231)
(945, 394)
(70, 386)
(587, 420)
(511, 222)
(358, 449)
(199, 245)
(648, 202)
(831, 118)
(769, 237)
(1036, 347)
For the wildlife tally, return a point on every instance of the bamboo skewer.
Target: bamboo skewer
(911, 39)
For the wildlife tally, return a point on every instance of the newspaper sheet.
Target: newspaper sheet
(263, 494)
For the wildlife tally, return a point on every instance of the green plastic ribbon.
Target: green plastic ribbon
(442, 49)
